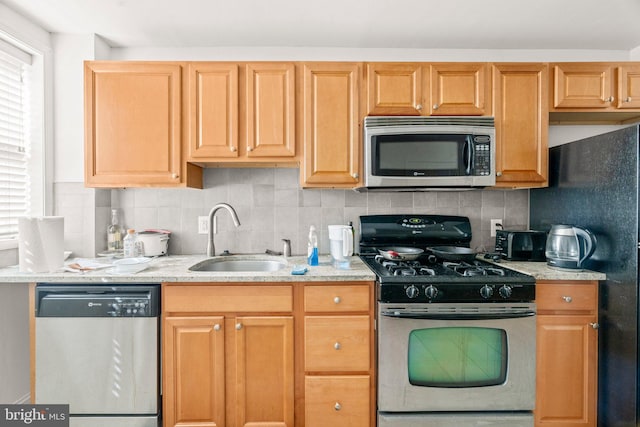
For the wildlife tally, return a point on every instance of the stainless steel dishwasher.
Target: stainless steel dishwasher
(97, 349)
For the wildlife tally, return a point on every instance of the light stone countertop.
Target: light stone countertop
(541, 271)
(175, 268)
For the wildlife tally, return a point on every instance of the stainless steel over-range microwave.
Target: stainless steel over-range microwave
(403, 153)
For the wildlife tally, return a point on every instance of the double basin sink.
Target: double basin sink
(238, 264)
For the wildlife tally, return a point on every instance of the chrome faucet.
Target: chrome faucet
(213, 225)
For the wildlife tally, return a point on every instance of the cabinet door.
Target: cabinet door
(263, 385)
(194, 372)
(582, 86)
(394, 89)
(566, 362)
(337, 401)
(331, 127)
(629, 87)
(270, 110)
(460, 89)
(213, 110)
(133, 124)
(521, 118)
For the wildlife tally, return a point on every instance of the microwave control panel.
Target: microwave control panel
(482, 155)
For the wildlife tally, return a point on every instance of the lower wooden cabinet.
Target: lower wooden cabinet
(567, 354)
(227, 369)
(338, 401)
(268, 354)
(339, 379)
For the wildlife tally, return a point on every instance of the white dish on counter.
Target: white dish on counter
(130, 265)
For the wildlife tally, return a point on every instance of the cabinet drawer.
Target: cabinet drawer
(336, 298)
(227, 298)
(338, 401)
(567, 297)
(337, 343)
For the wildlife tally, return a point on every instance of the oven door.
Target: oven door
(456, 357)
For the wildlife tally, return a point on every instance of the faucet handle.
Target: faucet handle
(287, 248)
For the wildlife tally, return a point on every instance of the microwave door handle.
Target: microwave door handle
(468, 150)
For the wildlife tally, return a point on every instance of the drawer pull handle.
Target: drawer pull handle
(337, 406)
(238, 326)
(595, 325)
(337, 346)
(216, 327)
(337, 300)
(567, 299)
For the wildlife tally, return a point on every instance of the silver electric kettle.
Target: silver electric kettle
(569, 246)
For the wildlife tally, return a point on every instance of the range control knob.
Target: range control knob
(412, 291)
(431, 292)
(505, 291)
(486, 291)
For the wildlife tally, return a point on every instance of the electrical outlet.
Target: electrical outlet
(495, 223)
(203, 225)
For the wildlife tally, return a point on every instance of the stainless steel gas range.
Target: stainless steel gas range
(456, 335)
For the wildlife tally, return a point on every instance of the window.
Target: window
(21, 168)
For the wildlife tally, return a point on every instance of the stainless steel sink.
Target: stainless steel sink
(231, 265)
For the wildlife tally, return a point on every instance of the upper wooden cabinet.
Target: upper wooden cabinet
(241, 112)
(331, 130)
(460, 89)
(428, 89)
(133, 125)
(395, 89)
(595, 86)
(521, 119)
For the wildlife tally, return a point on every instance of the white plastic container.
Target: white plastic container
(130, 243)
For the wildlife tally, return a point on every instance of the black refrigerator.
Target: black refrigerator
(594, 183)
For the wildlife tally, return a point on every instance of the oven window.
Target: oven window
(457, 357)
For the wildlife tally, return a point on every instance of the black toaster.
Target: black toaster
(519, 245)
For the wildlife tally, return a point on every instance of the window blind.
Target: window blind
(14, 144)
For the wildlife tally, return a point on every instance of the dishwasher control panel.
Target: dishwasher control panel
(97, 301)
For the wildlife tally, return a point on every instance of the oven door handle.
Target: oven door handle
(460, 316)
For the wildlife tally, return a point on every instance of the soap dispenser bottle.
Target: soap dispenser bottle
(312, 247)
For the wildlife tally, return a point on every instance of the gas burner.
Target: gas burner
(403, 271)
(427, 271)
(475, 269)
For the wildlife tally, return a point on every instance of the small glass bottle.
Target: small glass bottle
(312, 247)
(114, 233)
(131, 244)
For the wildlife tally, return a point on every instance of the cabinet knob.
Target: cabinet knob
(498, 173)
(435, 106)
(567, 298)
(337, 300)
(233, 149)
(595, 325)
(249, 148)
(337, 346)
(355, 175)
(627, 99)
(337, 406)
(609, 99)
(238, 326)
(216, 327)
(419, 107)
